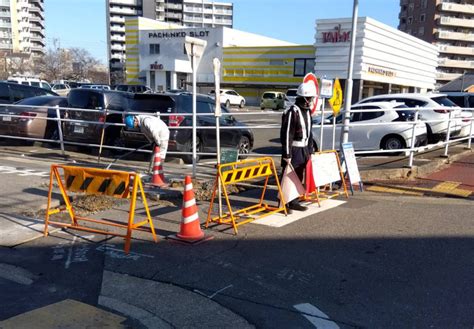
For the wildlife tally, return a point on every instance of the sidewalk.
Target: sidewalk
(119, 290)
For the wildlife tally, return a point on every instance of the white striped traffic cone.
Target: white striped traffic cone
(157, 177)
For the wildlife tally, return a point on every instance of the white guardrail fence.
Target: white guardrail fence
(27, 114)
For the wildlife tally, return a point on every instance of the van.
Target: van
(274, 100)
(14, 92)
(33, 82)
(133, 88)
(94, 99)
(176, 105)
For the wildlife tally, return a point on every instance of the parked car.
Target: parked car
(437, 107)
(95, 99)
(61, 89)
(274, 100)
(95, 86)
(229, 97)
(13, 92)
(33, 82)
(176, 104)
(461, 99)
(133, 88)
(33, 122)
(291, 95)
(378, 136)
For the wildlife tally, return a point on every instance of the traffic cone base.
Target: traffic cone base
(157, 178)
(190, 228)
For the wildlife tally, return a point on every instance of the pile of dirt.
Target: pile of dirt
(203, 189)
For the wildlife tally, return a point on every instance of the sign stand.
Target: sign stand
(351, 166)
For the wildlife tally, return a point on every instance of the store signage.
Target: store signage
(380, 71)
(337, 35)
(156, 66)
(169, 35)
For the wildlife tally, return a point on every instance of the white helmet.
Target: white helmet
(306, 89)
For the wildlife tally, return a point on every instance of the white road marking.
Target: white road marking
(317, 317)
(16, 274)
(280, 220)
(69, 253)
(22, 172)
(214, 294)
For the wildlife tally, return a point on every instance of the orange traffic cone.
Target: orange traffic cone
(157, 177)
(190, 230)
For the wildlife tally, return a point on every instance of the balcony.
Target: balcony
(456, 50)
(118, 48)
(117, 29)
(457, 8)
(123, 11)
(455, 36)
(117, 19)
(129, 3)
(173, 15)
(443, 62)
(117, 38)
(174, 6)
(5, 3)
(447, 76)
(451, 21)
(4, 24)
(5, 45)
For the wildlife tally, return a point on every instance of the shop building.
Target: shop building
(251, 63)
(386, 60)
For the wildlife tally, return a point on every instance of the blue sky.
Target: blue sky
(81, 23)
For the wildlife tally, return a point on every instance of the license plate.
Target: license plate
(6, 118)
(78, 129)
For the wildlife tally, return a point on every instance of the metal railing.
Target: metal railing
(61, 119)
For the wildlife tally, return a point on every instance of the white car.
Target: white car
(291, 95)
(437, 107)
(391, 128)
(229, 97)
(61, 89)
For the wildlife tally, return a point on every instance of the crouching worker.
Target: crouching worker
(155, 130)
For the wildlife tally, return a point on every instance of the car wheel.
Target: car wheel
(188, 158)
(262, 108)
(393, 142)
(244, 147)
(242, 104)
(227, 104)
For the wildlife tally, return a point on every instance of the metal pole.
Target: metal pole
(470, 131)
(321, 127)
(412, 146)
(60, 130)
(194, 109)
(446, 147)
(217, 67)
(348, 101)
(333, 131)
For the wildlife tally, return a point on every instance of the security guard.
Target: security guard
(296, 136)
(155, 130)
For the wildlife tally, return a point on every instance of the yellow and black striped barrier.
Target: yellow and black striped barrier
(241, 171)
(114, 183)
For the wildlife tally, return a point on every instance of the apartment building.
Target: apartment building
(178, 13)
(449, 24)
(22, 27)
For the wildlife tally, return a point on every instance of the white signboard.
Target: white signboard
(325, 168)
(326, 88)
(351, 162)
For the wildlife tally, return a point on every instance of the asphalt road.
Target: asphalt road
(375, 262)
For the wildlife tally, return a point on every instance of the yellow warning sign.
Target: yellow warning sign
(336, 100)
(97, 181)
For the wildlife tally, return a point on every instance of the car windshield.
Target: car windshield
(443, 100)
(291, 92)
(268, 96)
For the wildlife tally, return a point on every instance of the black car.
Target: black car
(13, 92)
(108, 105)
(177, 104)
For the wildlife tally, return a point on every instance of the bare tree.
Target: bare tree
(55, 64)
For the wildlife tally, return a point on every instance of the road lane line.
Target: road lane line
(317, 317)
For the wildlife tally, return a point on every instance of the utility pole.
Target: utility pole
(348, 100)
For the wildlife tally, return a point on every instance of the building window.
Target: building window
(410, 20)
(154, 48)
(411, 6)
(422, 17)
(302, 66)
(423, 3)
(421, 30)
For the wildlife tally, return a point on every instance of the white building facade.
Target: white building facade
(22, 27)
(386, 60)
